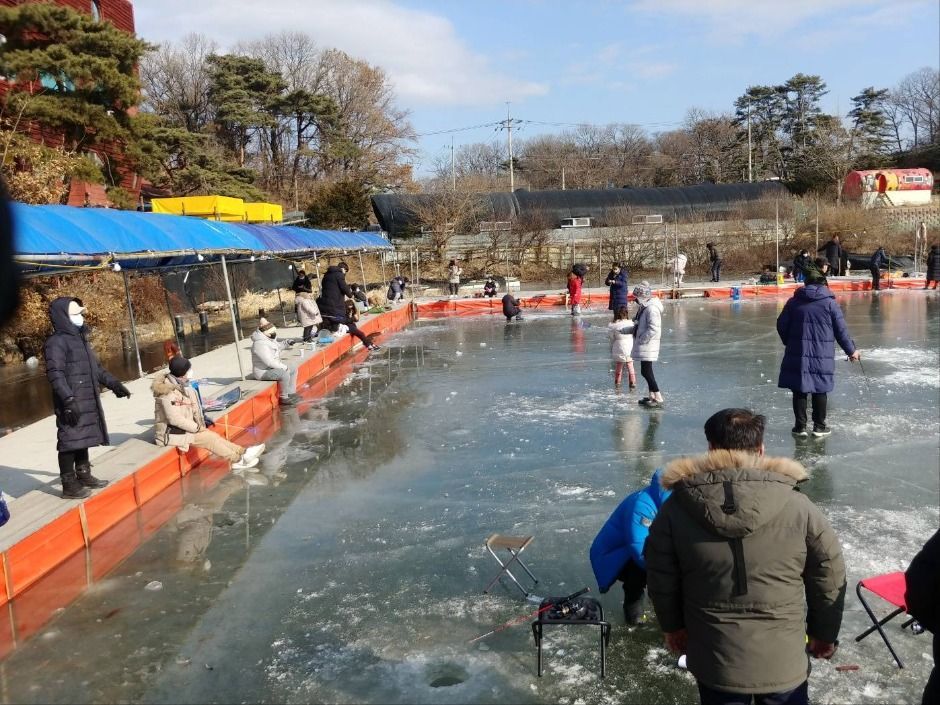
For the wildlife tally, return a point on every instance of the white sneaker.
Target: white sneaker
(244, 463)
(253, 451)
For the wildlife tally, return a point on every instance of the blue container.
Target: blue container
(735, 293)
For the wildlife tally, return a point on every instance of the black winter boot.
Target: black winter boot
(72, 487)
(83, 473)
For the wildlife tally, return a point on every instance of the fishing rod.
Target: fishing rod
(561, 602)
(871, 396)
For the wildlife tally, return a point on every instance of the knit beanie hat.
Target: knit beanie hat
(179, 366)
(266, 327)
(643, 292)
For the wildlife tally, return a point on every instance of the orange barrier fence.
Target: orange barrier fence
(52, 566)
(836, 285)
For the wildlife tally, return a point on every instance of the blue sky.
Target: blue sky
(455, 64)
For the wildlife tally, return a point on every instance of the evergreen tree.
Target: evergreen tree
(870, 122)
(344, 204)
(801, 95)
(70, 72)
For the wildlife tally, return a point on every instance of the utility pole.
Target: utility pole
(507, 125)
(562, 178)
(453, 165)
(750, 171)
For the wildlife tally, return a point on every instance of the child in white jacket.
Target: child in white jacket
(621, 345)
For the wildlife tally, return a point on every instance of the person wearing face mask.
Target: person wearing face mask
(180, 421)
(617, 281)
(266, 361)
(76, 377)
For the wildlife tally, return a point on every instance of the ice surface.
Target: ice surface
(355, 574)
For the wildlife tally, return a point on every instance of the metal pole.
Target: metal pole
(777, 238)
(280, 303)
(817, 224)
(231, 310)
(384, 280)
(362, 270)
(750, 173)
(512, 178)
(453, 165)
(417, 267)
(600, 263)
(316, 269)
(169, 311)
(130, 313)
(562, 178)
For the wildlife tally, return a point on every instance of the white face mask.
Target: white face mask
(77, 319)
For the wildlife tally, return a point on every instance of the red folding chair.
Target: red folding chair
(890, 587)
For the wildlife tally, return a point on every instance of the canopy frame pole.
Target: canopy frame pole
(777, 239)
(169, 311)
(130, 313)
(280, 303)
(316, 268)
(362, 270)
(384, 280)
(231, 310)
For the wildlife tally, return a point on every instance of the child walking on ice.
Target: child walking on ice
(621, 345)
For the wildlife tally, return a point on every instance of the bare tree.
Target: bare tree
(440, 215)
(176, 81)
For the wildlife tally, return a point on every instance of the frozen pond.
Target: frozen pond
(351, 568)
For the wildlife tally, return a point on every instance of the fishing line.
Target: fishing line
(562, 604)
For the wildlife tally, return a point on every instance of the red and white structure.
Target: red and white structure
(889, 187)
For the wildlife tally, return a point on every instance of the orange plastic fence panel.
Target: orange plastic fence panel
(41, 551)
(906, 283)
(157, 475)
(262, 406)
(239, 415)
(192, 458)
(718, 293)
(6, 632)
(3, 582)
(108, 507)
(56, 589)
(205, 477)
(161, 507)
(114, 545)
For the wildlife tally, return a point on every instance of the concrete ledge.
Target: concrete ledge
(52, 549)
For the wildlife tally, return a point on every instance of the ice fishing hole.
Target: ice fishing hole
(445, 675)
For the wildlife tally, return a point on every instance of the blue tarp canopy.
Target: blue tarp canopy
(64, 235)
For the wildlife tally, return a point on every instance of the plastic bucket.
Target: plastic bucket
(735, 293)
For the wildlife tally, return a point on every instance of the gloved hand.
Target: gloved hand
(209, 422)
(70, 412)
(121, 392)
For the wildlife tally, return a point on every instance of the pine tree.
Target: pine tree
(870, 123)
(70, 72)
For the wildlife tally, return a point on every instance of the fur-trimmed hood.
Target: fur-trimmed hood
(164, 383)
(733, 493)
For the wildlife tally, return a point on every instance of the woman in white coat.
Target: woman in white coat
(646, 340)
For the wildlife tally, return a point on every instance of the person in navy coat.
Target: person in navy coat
(617, 551)
(809, 326)
(617, 281)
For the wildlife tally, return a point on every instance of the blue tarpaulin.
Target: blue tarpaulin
(66, 235)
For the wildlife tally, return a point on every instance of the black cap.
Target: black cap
(179, 366)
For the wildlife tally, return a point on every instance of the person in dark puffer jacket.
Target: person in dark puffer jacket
(617, 280)
(809, 326)
(76, 375)
(745, 573)
(923, 604)
(332, 302)
(933, 267)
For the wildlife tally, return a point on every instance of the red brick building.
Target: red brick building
(121, 14)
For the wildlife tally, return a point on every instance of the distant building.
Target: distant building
(889, 187)
(120, 13)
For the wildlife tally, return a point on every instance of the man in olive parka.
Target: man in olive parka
(744, 572)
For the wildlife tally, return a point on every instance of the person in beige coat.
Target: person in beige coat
(180, 422)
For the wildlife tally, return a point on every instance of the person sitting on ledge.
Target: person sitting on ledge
(180, 421)
(489, 288)
(266, 361)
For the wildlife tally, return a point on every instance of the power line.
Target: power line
(546, 123)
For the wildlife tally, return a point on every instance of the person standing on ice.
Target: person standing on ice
(76, 377)
(179, 420)
(715, 259)
(833, 252)
(620, 333)
(800, 264)
(617, 281)
(617, 550)
(878, 261)
(745, 574)
(453, 277)
(575, 285)
(646, 340)
(933, 267)
(809, 326)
